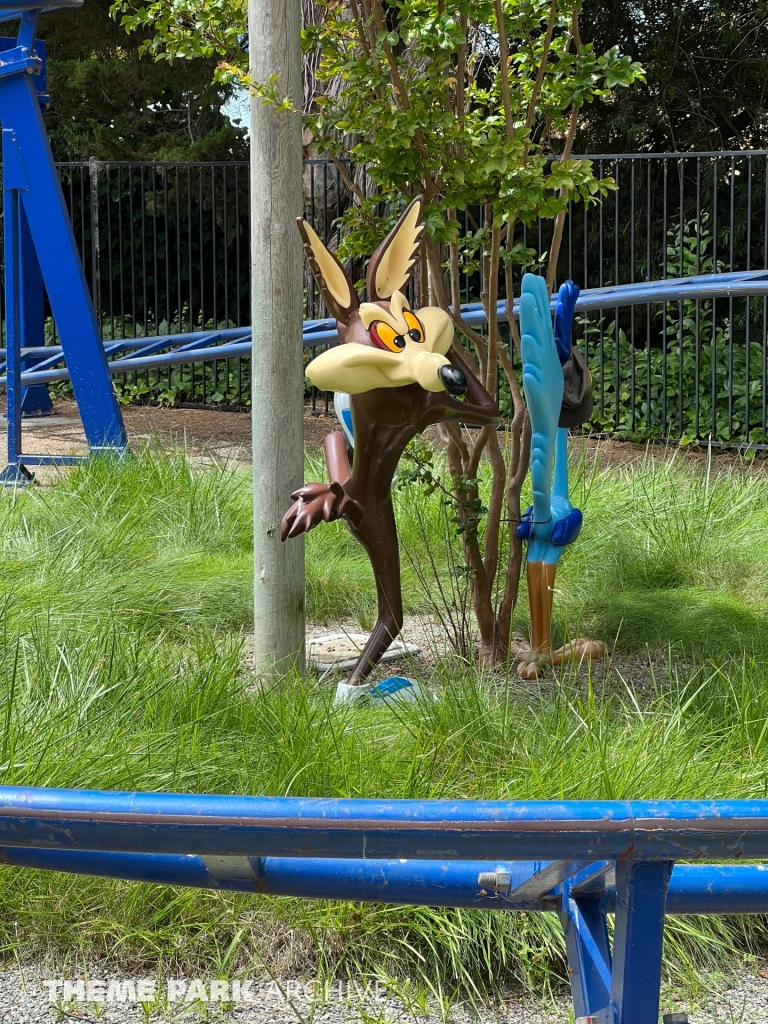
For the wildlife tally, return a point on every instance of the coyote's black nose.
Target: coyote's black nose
(454, 381)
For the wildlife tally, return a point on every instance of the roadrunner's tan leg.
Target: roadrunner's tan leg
(541, 589)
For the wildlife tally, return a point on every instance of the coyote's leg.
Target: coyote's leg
(378, 535)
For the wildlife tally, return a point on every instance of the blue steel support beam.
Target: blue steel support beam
(546, 878)
(187, 353)
(14, 183)
(585, 929)
(40, 193)
(694, 889)
(638, 940)
(718, 889)
(427, 883)
(35, 400)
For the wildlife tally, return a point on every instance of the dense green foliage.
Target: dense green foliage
(112, 102)
(702, 377)
(706, 87)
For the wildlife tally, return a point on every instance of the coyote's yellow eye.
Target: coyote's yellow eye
(386, 337)
(415, 330)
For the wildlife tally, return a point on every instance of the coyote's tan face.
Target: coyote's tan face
(385, 344)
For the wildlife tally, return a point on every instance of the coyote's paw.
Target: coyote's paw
(313, 504)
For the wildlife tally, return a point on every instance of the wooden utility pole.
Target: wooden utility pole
(277, 394)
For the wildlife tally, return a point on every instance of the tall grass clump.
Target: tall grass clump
(150, 713)
(151, 540)
(672, 554)
(125, 594)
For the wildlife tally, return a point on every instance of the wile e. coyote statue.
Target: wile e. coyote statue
(402, 374)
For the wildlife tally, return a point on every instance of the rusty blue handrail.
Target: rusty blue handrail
(579, 859)
(450, 830)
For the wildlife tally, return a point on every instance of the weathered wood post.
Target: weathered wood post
(277, 373)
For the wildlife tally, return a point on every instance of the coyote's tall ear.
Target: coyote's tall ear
(392, 264)
(338, 293)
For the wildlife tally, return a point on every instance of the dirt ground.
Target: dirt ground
(226, 437)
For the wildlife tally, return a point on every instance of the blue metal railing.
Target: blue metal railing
(579, 859)
(361, 828)
(135, 354)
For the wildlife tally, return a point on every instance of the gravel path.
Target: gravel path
(28, 999)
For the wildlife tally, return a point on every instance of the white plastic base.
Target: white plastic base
(346, 694)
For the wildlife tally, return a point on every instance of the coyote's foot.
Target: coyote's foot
(313, 504)
(531, 666)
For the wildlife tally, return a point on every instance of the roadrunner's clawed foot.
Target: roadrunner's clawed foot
(531, 667)
(577, 650)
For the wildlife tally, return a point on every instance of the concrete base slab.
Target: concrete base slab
(341, 650)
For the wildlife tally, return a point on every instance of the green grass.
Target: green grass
(668, 557)
(126, 594)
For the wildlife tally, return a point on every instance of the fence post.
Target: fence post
(94, 166)
(277, 393)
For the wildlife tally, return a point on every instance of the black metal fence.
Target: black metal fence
(682, 370)
(166, 248)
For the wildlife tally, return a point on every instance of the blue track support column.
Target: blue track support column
(641, 893)
(13, 185)
(585, 927)
(35, 400)
(36, 188)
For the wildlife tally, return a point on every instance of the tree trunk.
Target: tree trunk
(278, 376)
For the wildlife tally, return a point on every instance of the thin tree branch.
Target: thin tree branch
(477, 452)
(504, 69)
(353, 188)
(361, 31)
(368, 24)
(557, 233)
(453, 430)
(461, 67)
(397, 83)
(520, 436)
(539, 80)
(491, 312)
(495, 506)
(454, 308)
